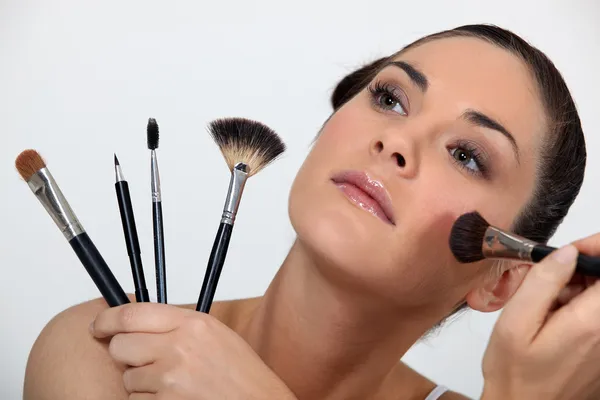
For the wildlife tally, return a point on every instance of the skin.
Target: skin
(375, 288)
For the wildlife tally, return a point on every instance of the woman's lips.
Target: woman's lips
(366, 193)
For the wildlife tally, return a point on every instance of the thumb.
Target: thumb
(526, 312)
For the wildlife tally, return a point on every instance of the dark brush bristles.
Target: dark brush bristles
(246, 141)
(466, 237)
(152, 132)
(28, 163)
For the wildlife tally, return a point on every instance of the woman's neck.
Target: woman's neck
(324, 340)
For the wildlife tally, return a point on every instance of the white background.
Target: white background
(78, 81)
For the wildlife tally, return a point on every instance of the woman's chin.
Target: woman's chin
(343, 241)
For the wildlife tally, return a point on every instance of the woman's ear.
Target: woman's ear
(495, 293)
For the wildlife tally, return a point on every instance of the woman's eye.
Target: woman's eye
(466, 158)
(389, 102)
(388, 97)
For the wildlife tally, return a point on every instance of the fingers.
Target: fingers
(590, 280)
(526, 312)
(565, 295)
(146, 379)
(589, 245)
(135, 349)
(137, 317)
(568, 293)
(578, 320)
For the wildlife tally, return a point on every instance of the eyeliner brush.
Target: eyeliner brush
(131, 236)
(247, 146)
(157, 216)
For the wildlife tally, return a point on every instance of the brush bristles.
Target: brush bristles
(152, 132)
(466, 237)
(28, 163)
(246, 141)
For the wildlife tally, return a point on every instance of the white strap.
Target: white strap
(437, 392)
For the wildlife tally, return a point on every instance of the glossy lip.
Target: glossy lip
(372, 188)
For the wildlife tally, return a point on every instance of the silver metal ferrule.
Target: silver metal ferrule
(239, 176)
(500, 244)
(46, 189)
(154, 178)
(119, 173)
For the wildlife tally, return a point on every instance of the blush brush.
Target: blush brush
(247, 146)
(473, 239)
(34, 171)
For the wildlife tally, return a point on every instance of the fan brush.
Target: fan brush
(248, 147)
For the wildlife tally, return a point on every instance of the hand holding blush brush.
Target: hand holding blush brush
(546, 342)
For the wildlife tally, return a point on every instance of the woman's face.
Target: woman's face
(453, 125)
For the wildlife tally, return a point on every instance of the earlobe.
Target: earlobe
(493, 295)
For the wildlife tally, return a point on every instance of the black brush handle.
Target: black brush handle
(215, 265)
(586, 265)
(98, 270)
(131, 241)
(159, 252)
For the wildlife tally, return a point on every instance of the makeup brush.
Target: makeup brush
(33, 170)
(157, 216)
(247, 146)
(131, 238)
(473, 239)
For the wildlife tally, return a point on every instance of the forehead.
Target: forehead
(466, 72)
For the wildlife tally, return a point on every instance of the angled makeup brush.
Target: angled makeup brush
(247, 146)
(473, 239)
(157, 216)
(34, 171)
(131, 237)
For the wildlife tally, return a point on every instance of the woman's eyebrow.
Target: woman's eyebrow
(416, 76)
(480, 119)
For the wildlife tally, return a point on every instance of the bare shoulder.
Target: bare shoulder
(66, 362)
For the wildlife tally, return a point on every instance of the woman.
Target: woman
(472, 118)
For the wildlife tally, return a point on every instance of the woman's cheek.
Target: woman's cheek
(436, 219)
(437, 230)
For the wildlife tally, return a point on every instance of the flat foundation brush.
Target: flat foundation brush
(247, 146)
(473, 239)
(157, 215)
(33, 170)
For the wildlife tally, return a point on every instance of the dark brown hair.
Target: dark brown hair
(563, 160)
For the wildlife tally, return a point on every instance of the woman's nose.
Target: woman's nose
(399, 154)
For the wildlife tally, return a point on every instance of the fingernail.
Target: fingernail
(566, 254)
